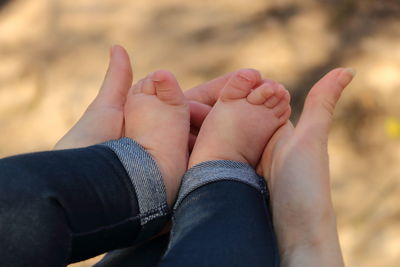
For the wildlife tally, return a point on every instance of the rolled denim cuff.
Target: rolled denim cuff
(145, 176)
(219, 170)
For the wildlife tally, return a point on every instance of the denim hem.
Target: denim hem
(219, 170)
(145, 176)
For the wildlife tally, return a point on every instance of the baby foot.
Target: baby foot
(157, 117)
(243, 120)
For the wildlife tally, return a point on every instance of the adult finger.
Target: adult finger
(117, 81)
(209, 92)
(198, 113)
(322, 98)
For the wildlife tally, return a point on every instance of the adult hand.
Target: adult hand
(103, 120)
(296, 164)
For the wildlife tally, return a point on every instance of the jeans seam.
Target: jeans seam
(219, 170)
(144, 175)
(136, 217)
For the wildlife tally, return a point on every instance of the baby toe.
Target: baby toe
(282, 105)
(148, 86)
(261, 94)
(240, 84)
(167, 87)
(278, 93)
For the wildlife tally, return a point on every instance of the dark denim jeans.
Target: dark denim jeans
(59, 207)
(225, 223)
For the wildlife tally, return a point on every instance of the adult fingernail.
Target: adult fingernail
(351, 71)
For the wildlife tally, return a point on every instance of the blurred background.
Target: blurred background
(54, 53)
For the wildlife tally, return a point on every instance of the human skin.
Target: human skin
(296, 165)
(157, 102)
(318, 244)
(108, 106)
(113, 107)
(243, 120)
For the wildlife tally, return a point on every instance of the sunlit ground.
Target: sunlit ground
(53, 55)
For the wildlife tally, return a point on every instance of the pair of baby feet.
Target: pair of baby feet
(239, 126)
(248, 112)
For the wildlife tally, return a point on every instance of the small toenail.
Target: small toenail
(269, 82)
(154, 77)
(270, 91)
(245, 77)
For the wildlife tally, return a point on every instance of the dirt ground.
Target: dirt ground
(53, 55)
